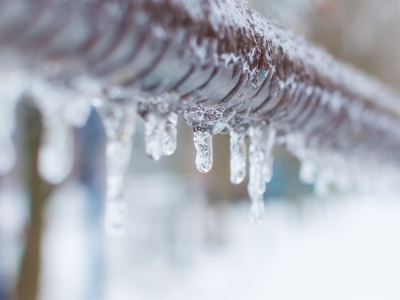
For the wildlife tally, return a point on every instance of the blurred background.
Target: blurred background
(188, 234)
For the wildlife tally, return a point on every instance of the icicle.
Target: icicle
(170, 134)
(238, 157)
(203, 144)
(155, 132)
(195, 115)
(256, 186)
(322, 184)
(307, 172)
(257, 209)
(262, 139)
(118, 120)
(55, 158)
(7, 154)
(12, 85)
(268, 158)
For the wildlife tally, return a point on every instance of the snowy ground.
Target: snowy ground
(338, 248)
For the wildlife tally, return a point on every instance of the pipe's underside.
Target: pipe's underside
(215, 52)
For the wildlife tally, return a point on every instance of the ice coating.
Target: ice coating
(195, 114)
(223, 121)
(118, 116)
(238, 157)
(204, 155)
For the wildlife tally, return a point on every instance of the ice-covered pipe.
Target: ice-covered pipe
(206, 50)
(223, 65)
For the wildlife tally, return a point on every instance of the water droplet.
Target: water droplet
(203, 144)
(238, 157)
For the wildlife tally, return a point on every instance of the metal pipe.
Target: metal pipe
(211, 52)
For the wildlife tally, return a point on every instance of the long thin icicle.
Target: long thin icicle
(118, 119)
(238, 157)
(204, 155)
(12, 85)
(262, 139)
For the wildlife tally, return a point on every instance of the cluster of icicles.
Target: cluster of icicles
(63, 108)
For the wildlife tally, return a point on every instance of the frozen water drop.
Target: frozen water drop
(238, 157)
(204, 156)
(119, 121)
(55, 158)
(155, 132)
(170, 134)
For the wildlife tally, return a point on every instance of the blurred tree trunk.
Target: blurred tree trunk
(39, 191)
